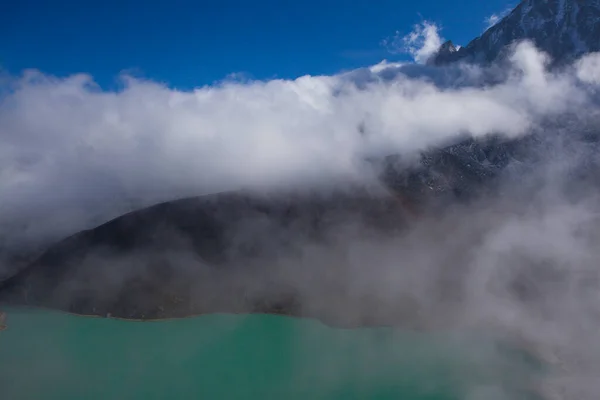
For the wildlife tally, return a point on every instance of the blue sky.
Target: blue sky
(192, 43)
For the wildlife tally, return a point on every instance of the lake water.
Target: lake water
(52, 355)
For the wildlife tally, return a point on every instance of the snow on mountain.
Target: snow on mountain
(565, 29)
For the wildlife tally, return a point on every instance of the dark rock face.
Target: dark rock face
(445, 52)
(459, 171)
(565, 29)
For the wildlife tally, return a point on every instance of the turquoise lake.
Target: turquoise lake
(53, 355)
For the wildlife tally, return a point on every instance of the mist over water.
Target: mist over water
(521, 262)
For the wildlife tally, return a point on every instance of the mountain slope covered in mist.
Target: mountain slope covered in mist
(227, 252)
(297, 253)
(291, 253)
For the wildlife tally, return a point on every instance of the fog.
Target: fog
(73, 156)
(74, 153)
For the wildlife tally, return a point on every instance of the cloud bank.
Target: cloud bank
(74, 153)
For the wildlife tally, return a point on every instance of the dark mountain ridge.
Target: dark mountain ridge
(187, 256)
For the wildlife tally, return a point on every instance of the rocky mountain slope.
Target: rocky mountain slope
(565, 29)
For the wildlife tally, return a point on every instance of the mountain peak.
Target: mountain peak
(565, 29)
(446, 50)
(448, 47)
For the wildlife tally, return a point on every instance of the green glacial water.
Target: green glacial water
(53, 355)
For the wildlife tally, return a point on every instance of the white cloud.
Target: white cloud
(421, 43)
(492, 20)
(496, 17)
(588, 69)
(73, 153)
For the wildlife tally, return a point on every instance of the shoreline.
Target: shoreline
(109, 316)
